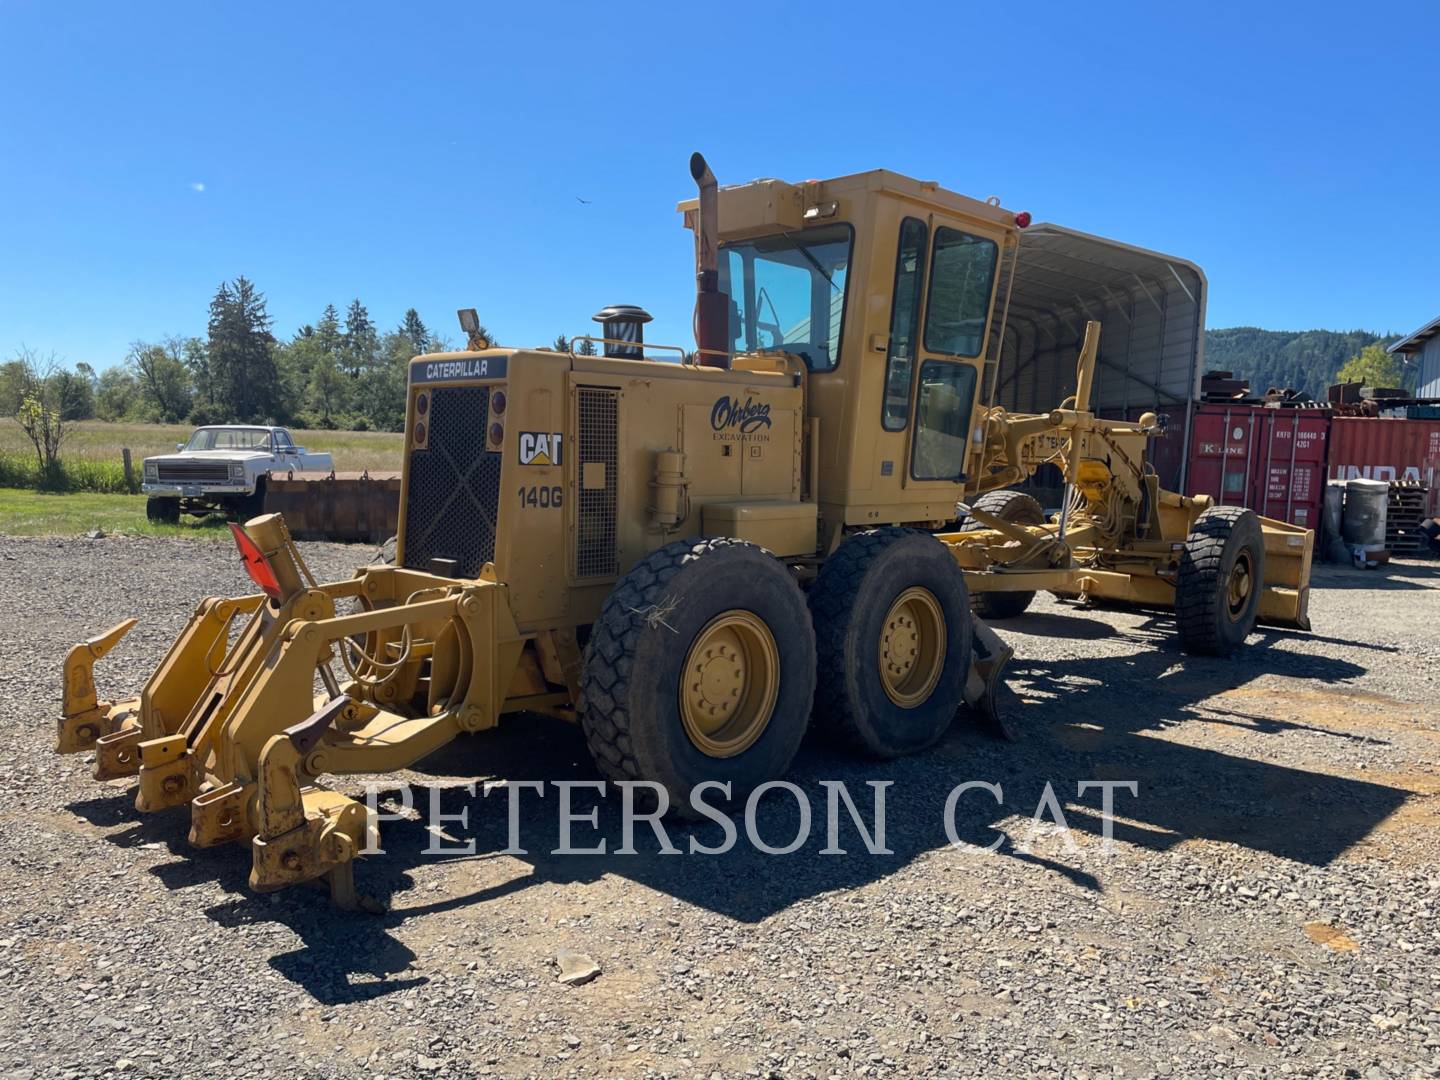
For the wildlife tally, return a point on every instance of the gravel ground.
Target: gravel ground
(1267, 907)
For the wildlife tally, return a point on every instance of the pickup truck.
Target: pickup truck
(222, 469)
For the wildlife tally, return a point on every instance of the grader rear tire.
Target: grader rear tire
(1018, 507)
(893, 639)
(700, 667)
(1217, 590)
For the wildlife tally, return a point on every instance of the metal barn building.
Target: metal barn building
(1151, 307)
(1423, 346)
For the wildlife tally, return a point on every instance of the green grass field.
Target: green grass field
(95, 440)
(34, 513)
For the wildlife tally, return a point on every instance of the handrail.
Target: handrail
(628, 344)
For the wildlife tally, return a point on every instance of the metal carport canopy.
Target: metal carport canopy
(1151, 308)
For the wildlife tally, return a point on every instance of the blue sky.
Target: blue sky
(432, 155)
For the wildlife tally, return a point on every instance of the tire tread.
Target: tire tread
(1197, 586)
(610, 652)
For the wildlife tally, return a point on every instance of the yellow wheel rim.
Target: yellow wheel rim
(730, 682)
(912, 647)
(1242, 583)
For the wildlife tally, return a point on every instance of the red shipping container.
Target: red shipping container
(1390, 450)
(1271, 460)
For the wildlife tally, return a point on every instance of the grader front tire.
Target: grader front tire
(700, 667)
(1018, 507)
(893, 639)
(1221, 576)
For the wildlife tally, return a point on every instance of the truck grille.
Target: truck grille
(191, 472)
(596, 553)
(453, 490)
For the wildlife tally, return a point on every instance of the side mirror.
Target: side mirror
(179, 446)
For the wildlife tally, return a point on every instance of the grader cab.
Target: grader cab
(689, 559)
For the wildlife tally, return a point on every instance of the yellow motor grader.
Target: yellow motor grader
(802, 517)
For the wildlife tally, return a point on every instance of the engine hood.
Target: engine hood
(213, 455)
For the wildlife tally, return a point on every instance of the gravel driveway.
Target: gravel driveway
(1268, 904)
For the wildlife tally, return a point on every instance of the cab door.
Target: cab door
(950, 349)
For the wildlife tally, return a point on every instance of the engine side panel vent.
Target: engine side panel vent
(453, 493)
(598, 424)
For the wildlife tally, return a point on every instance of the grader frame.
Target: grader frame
(1120, 536)
(728, 525)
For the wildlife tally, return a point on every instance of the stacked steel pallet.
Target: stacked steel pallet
(1404, 516)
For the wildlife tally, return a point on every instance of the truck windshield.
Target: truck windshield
(788, 292)
(229, 439)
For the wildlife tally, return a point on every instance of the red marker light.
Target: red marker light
(497, 434)
(1022, 219)
(497, 402)
(422, 403)
(255, 565)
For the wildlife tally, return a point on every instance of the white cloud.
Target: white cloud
(197, 187)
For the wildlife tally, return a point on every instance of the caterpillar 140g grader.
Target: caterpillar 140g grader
(802, 517)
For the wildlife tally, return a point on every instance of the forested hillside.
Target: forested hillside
(1304, 359)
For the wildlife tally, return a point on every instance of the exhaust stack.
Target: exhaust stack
(712, 307)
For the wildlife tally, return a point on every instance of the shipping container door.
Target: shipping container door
(1290, 472)
(1222, 459)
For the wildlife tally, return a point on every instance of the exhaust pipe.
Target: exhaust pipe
(712, 307)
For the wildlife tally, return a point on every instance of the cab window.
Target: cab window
(943, 403)
(788, 292)
(961, 274)
(904, 323)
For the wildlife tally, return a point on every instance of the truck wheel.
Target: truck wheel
(1020, 508)
(1217, 590)
(893, 641)
(700, 667)
(162, 511)
(253, 505)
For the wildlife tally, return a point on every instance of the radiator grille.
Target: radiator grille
(596, 554)
(189, 472)
(453, 491)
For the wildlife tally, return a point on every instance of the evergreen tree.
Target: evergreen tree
(587, 348)
(562, 344)
(327, 332)
(361, 342)
(242, 361)
(415, 332)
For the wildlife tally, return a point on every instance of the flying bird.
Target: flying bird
(580, 200)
